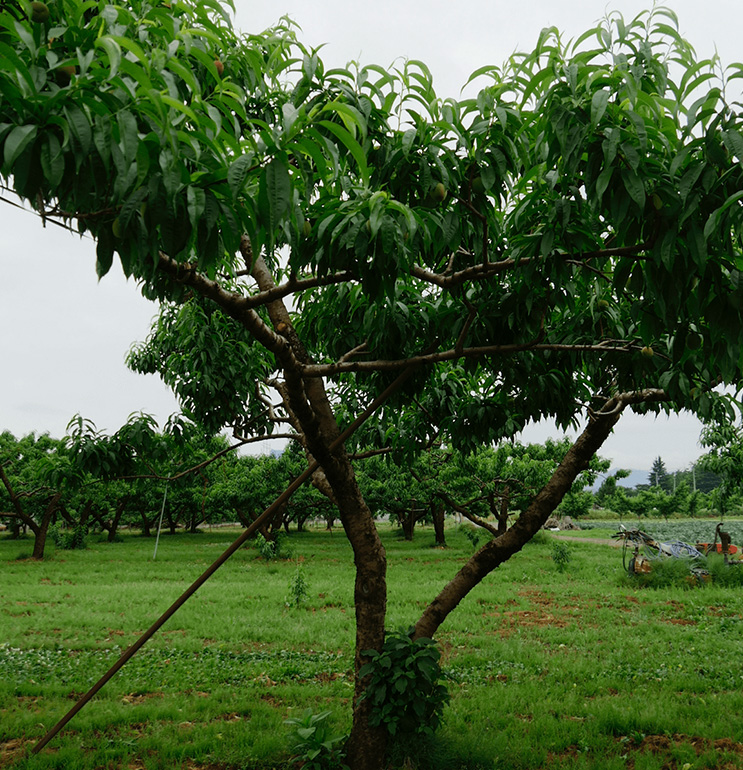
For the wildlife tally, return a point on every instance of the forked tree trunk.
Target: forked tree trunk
(307, 401)
(113, 526)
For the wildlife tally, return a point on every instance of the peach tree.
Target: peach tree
(564, 244)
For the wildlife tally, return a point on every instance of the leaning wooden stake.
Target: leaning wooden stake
(264, 518)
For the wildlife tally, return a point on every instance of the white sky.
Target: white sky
(64, 335)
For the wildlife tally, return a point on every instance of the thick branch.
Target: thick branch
(235, 305)
(496, 552)
(488, 269)
(386, 365)
(295, 285)
(465, 511)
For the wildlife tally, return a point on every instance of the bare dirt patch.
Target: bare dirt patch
(660, 745)
(544, 613)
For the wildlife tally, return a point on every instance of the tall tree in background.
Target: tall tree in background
(659, 475)
(567, 244)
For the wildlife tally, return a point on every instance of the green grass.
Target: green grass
(547, 669)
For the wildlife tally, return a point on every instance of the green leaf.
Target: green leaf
(17, 141)
(196, 198)
(634, 186)
(407, 139)
(80, 126)
(27, 38)
(104, 252)
(715, 216)
(11, 62)
(734, 142)
(689, 179)
(599, 100)
(274, 194)
(131, 206)
(113, 50)
(177, 68)
(180, 106)
(351, 145)
(52, 160)
(238, 173)
(603, 181)
(351, 117)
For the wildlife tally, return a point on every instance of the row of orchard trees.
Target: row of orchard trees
(136, 477)
(566, 244)
(186, 478)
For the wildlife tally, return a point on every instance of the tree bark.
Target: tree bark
(407, 522)
(502, 512)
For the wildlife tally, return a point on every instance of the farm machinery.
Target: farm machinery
(642, 550)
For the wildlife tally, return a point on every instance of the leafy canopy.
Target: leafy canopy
(571, 232)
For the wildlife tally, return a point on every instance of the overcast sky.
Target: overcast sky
(64, 335)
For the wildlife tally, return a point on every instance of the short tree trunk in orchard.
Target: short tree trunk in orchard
(437, 514)
(407, 522)
(42, 529)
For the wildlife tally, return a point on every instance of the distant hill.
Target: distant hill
(634, 478)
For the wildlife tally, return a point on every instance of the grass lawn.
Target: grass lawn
(548, 669)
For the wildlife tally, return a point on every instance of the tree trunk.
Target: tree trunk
(308, 403)
(407, 522)
(502, 514)
(114, 525)
(15, 529)
(172, 522)
(42, 529)
(145, 524)
(300, 520)
(366, 745)
(437, 514)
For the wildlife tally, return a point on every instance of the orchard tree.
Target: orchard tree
(566, 244)
(609, 487)
(501, 482)
(724, 458)
(34, 474)
(137, 456)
